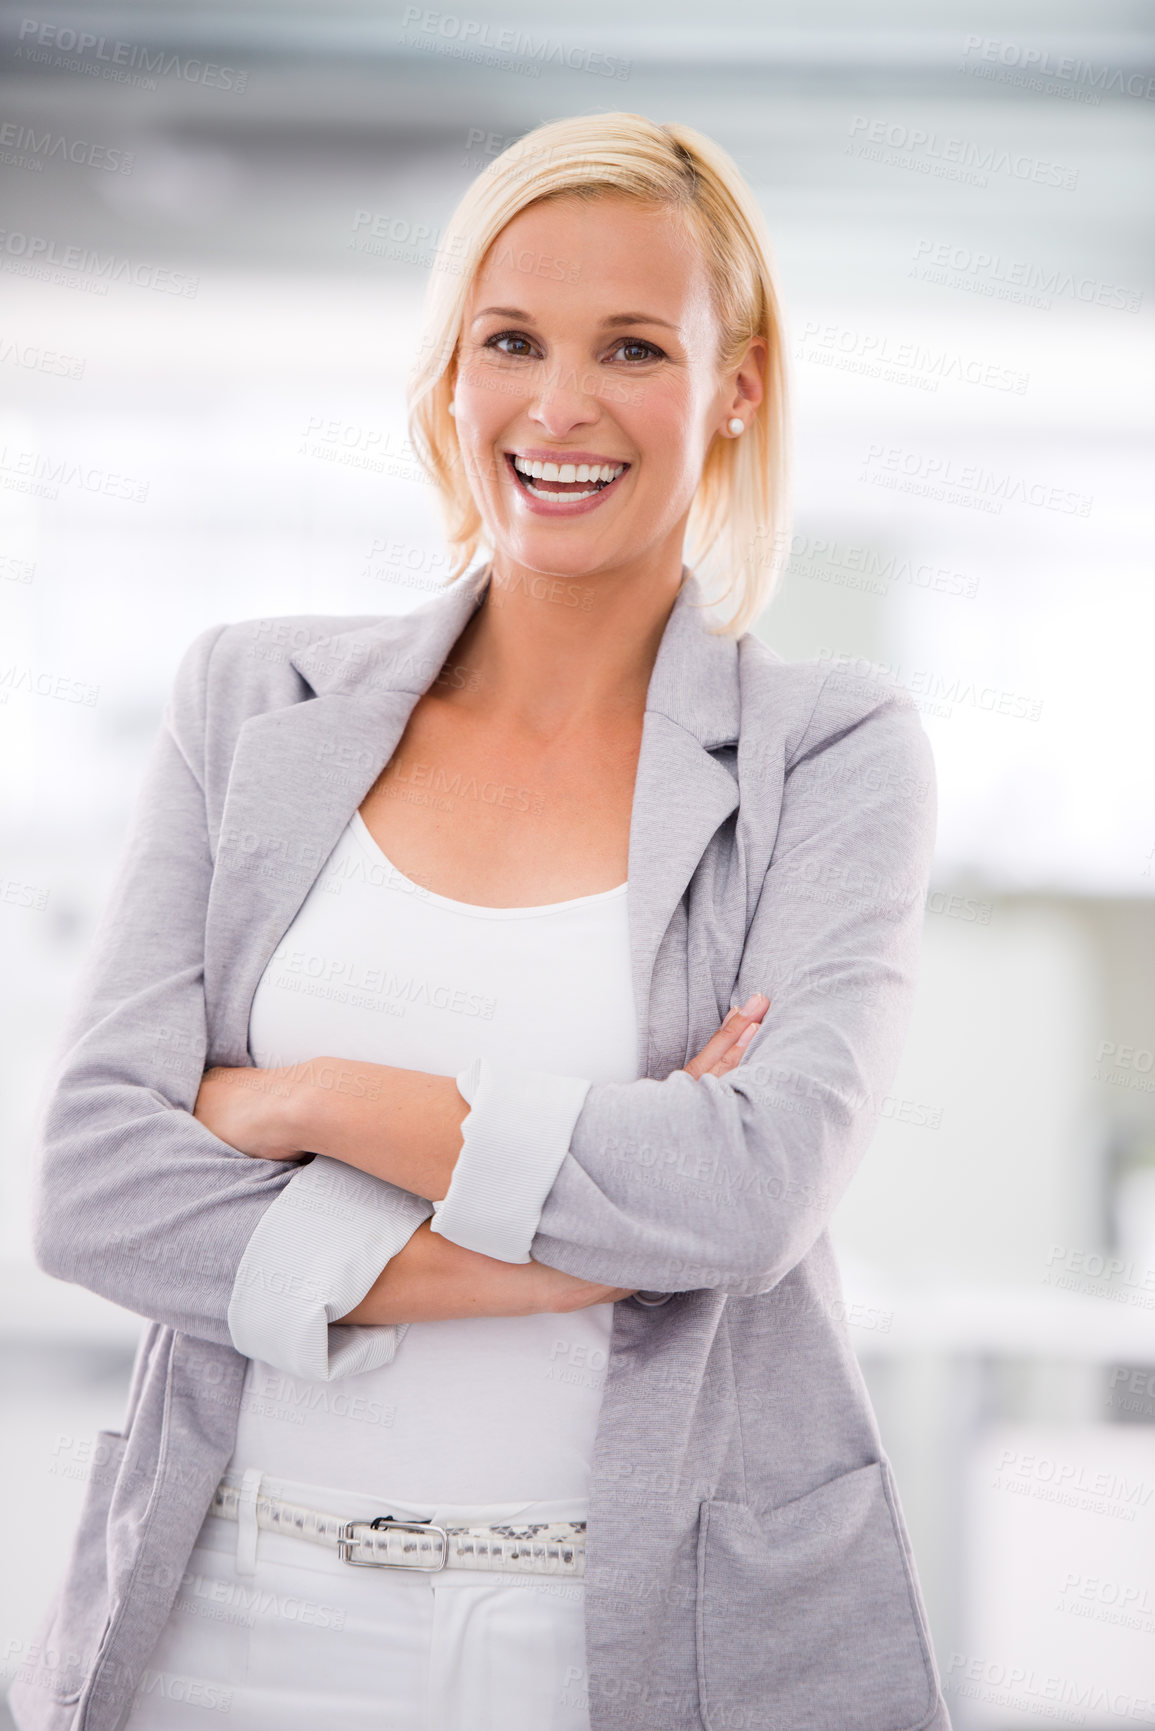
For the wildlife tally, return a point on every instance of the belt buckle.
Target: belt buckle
(349, 1538)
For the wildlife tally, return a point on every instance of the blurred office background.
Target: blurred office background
(211, 305)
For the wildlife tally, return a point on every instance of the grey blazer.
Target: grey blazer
(748, 1564)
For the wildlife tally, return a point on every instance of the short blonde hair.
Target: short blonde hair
(739, 517)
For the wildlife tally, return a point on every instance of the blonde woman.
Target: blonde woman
(494, 1004)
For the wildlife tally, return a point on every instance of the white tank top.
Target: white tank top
(375, 968)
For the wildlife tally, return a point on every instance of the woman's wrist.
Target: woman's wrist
(403, 1126)
(431, 1279)
(396, 1294)
(307, 1099)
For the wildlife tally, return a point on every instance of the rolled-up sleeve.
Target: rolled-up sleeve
(514, 1138)
(316, 1251)
(135, 1198)
(750, 1166)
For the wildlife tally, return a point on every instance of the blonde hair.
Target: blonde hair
(739, 517)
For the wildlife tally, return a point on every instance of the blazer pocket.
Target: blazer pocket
(83, 1607)
(807, 1616)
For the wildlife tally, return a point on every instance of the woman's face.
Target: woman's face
(590, 341)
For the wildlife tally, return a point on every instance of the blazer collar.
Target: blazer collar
(299, 773)
(694, 681)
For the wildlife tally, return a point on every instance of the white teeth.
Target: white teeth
(570, 472)
(562, 498)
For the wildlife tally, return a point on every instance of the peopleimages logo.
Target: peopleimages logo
(123, 62)
(26, 471)
(996, 1682)
(1019, 280)
(23, 146)
(39, 255)
(951, 158)
(967, 484)
(930, 688)
(477, 39)
(37, 360)
(1017, 63)
(879, 355)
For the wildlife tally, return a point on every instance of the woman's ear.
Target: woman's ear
(749, 388)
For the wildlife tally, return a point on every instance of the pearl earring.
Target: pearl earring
(453, 408)
(736, 426)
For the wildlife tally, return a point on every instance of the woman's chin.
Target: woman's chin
(554, 557)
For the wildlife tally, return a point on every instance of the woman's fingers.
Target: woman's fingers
(733, 1057)
(724, 1049)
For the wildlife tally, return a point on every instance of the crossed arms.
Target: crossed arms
(139, 1200)
(405, 1127)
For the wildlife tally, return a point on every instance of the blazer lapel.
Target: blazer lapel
(300, 772)
(288, 801)
(682, 793)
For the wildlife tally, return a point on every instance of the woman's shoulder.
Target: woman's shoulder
(231, 671)
(259, 652)
(272, 640)
(816, 701)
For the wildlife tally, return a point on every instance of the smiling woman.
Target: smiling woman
(440, 1115)
(528, 395)
(609, 272)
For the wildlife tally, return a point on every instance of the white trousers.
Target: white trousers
(280, 1635)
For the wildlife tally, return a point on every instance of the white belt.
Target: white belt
(539, 1548)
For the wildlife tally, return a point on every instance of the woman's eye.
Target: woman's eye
(495, 342)
(650, 351)
(517, 345)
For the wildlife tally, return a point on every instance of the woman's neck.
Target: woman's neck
(553, 655)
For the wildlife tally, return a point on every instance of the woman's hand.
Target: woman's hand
(554, 1291)
(265, 1113)
(721, 1054)
(403, 1126)
(246, 1108)
(432, 1279)
(723, 1051)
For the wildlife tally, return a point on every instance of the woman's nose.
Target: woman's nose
(566, 398)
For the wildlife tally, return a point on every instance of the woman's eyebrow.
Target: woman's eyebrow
(613, 319)
(638, 319)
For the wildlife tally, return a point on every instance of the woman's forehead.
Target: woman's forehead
(608, 215)
(597, 250)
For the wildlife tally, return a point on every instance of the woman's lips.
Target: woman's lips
(562, 507)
